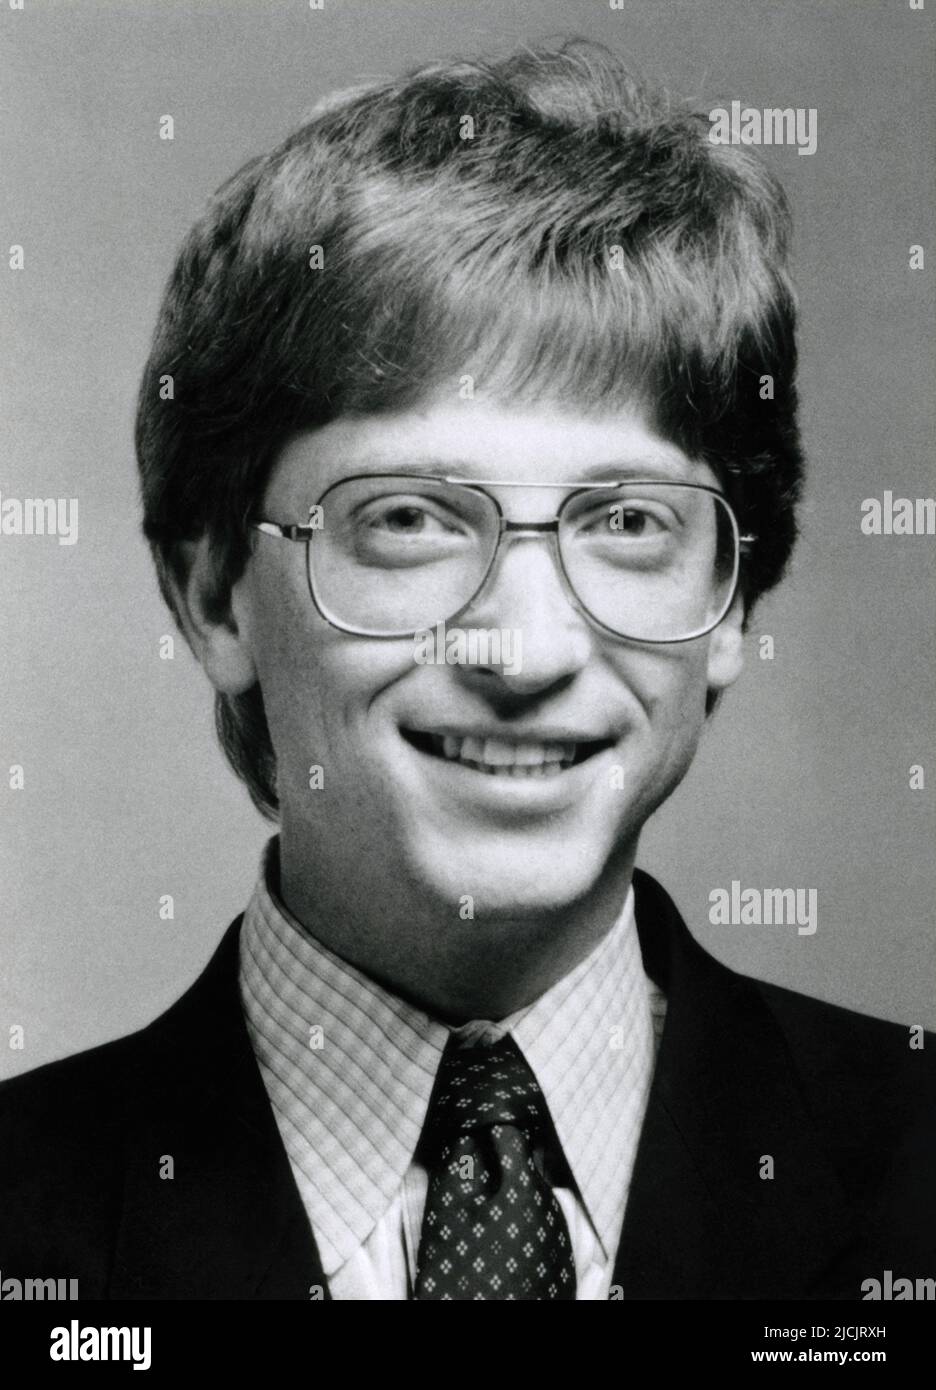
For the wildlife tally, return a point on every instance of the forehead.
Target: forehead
(479, 439)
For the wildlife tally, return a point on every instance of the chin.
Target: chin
(510, 877)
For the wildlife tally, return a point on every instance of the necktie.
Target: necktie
(492, 1228)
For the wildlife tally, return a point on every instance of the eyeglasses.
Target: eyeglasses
(391, 555)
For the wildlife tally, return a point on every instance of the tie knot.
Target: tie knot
(480, 1086)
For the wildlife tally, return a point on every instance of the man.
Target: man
(476, 354)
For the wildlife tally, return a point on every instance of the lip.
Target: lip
(553, 733)
(512, 797)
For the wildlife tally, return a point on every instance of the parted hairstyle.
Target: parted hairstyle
(542, 222)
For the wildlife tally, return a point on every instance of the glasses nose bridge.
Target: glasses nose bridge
(509, 531)
(531, 528)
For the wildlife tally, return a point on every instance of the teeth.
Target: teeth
(502, 758)
(500, 754)
(472, 750)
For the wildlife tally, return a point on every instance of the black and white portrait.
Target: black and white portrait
(467, 528)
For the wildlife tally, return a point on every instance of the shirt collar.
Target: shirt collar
(351, 1067)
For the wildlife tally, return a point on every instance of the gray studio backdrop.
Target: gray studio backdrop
(803, 779)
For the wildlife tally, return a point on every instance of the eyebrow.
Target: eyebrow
(614, 470)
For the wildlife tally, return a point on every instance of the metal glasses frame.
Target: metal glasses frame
(304, 533)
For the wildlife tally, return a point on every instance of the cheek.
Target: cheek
(670, 686)
(285, 656)
(318, 684)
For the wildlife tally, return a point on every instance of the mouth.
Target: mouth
(503, 757)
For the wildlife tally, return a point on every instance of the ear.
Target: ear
(213, 618)
(726, 648)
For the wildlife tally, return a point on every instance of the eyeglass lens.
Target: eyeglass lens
(649, 561)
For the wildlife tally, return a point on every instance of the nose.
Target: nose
(526, 600)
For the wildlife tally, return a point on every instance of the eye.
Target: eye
(403, 529)
(633, 521)
(404, 518)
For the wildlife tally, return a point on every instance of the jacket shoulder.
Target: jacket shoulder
(878, 1050)
(63, 1132)
(67, 1127)
(50, 1096)
(870, 1088)
(102, 1076)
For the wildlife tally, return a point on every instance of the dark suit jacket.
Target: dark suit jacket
(844, 1107)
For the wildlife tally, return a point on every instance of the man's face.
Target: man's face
(379, 723)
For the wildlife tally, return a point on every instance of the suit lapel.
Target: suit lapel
(701, 1222)
(229, 1223)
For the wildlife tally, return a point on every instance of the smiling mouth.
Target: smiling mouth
(498, 757)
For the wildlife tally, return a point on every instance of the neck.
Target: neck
(465, 969)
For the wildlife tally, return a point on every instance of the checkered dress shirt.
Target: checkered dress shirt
(349, 1069)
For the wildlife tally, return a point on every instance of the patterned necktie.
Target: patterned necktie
(492, 1227)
